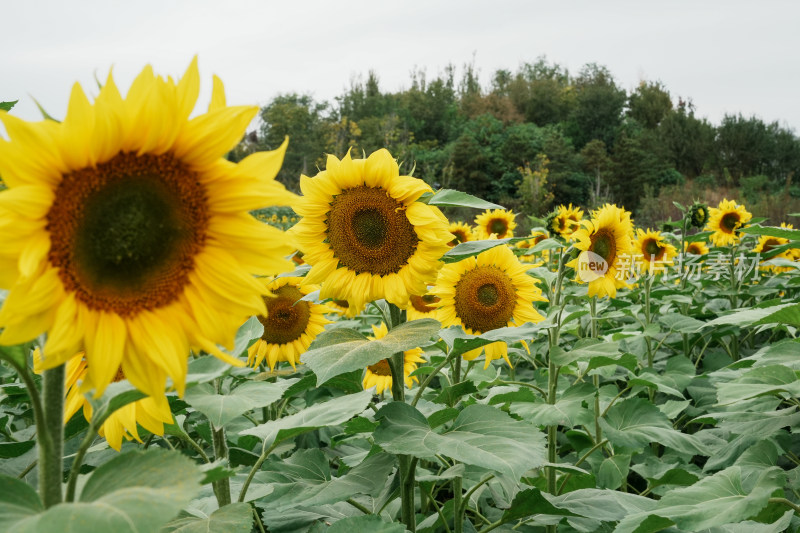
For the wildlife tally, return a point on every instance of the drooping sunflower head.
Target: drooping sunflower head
(487, 292)
(497, 222)
(365, 234)
(695, 248)
(422, 306)
(131, 233)
(606, 244)
(567, 219)
(698, 214)
(379, 375)
(461, 232)
(725, 220)
(290, 323)
(656, 253)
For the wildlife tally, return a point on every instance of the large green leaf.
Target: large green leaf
(461, 342)
(233, 518)
(453, 198)
(331, 413)
(771, 379)
(635, 423)
(481, 435)
(365, 524)
(18, 501)
(748, 317)
(471, 248)
(356, 352)
(601, 504)
(133, 492)
(586, 350)
(788, 315)
(222, 408)
(570, 409)
(772, 231)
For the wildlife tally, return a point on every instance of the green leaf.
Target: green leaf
(788, 315)
(252, 329)
(222, 408)
(586, 350)
(133, 492)
(365, 524)
(772, 231)
(748, 317)
(450, 395)
(204, 369)
(353, 351)
(529, 502)
(17, 354)
(460, 342)
(481, 435)
(569, 410)
(331, 413)
(468, 249)
(15, 449)
(635, 423)
(453, 198)
(771, 379)
(601, 504)
(6, 106)
(18, 501)
(233, 518)
(613, 471)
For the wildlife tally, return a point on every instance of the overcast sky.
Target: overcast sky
(727, 56)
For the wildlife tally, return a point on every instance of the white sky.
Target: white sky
(727, 56)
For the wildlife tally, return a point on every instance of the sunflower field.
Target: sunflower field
(187, 346)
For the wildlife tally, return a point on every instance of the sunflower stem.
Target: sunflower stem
(222, 487)
(595, 378)
(51, 437)
(91, 434)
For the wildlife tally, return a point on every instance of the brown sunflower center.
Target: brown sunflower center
(125, 233)
(368, 231)
(499, 227)
(694, 248)
(652, 250)
(460, 236)
(381, 368)
(424, 304)
(769, 244)
(729, 222)
(287, 317)
(485, 299)
(604, 245)
(342, 303)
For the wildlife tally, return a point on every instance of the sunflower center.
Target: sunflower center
(460, 237)
(604, 245)
(485, 299)
(424, 304)
(124, 234)
(769, 244)
(381, 368)
(499, 227)
(368, 231)
(287, 317)
(652, 249)
(729, 222)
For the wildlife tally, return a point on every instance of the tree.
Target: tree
(649, 103)
(688, 141)
(598, 165)
(597, 113)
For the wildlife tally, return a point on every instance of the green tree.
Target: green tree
(598, 165)
(688, 141)
(597, 112)
(649, 103)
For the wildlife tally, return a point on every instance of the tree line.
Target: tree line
(534, 138)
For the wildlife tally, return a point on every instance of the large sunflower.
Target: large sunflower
(290, 323)
(461, 231)
(497, 224)
(724, 220)
(364, 233)
(379, 375)
(487, 292)
(656, 253)
(151, 412)
(606, 242)
(127, 235)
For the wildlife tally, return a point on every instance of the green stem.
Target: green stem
(458, 520)
(256, 467)
(595, 378)
(222, 487)
(51, 432)
(429, 378)
(358, 506)
(787, 503)
(91, 433)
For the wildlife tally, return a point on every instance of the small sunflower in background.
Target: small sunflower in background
(656, 253)
(536, 237)
(365, 235)
(462, 232)
(379, 375)
(422, 306)
(606, 243)
(695, 248)
(497, 222)
(345, 308)
(725, 220)
(151, 412)
(289, 325)
(698, 214)
(128, 236)
(766, 244)
(487, 292)
(567, 219)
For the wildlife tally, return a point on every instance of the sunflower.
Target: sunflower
(724, 220)
(536, 238)
(290, 324)
(379, 375)
(566, 220)
(151, 412)
(487, 292)
(766, 244)
(128, 235)
(606, 241)
(695, 248)
(698, 214)
(422, 306)
(364, 233)
(656, 253)
(462, 233)
(344, 308)
(497, 224)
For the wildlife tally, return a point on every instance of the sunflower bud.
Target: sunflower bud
(552, 223)
(698, 214)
